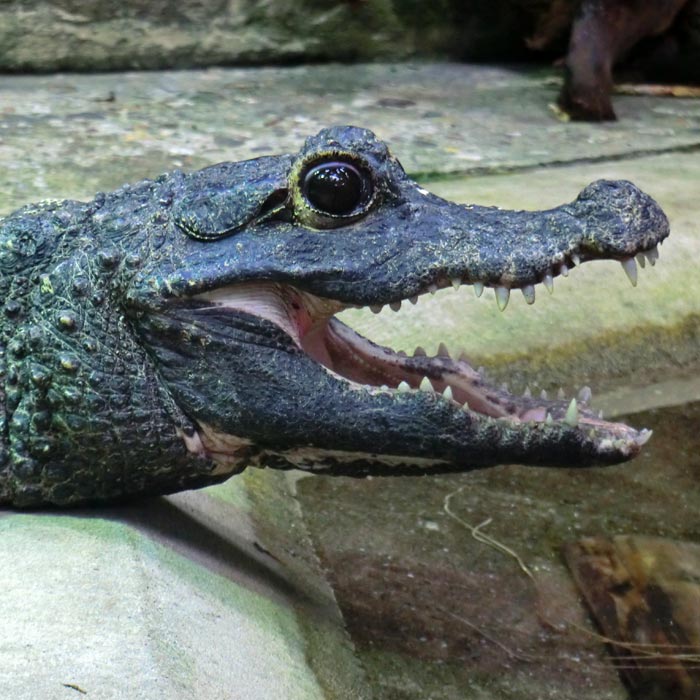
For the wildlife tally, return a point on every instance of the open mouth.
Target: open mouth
(310, 321)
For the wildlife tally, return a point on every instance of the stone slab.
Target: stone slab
(180, 597)
(73, 135)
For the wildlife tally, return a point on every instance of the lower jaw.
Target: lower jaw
(362, 362)
(374, 368)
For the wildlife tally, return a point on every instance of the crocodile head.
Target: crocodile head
(241, 313)
(223, 285)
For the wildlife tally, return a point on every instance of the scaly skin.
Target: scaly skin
(168, 334)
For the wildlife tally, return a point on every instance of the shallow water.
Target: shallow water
(435, 613)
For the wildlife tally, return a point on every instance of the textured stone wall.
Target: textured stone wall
(49, 35)
(105, 35)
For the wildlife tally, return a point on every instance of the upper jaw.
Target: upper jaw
(559, 266)
(415, 247)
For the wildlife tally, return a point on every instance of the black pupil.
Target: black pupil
(335, 188)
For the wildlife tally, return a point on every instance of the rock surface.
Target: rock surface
(49, 35)
(171, 598)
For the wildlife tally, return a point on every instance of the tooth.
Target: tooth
(478, 288)
(465, 406)
(443, 351)
(641, 260)
(432, 288)
(463, 357)
(419, 352)
(575, 259)
(644, 436)
(591, 434)
(447, 393)
(527, 394)
(502, 296)
(403, 387)
(563, 270)
(376, 308)
(630, 268)
(504, 388)
(585, 394)
(395, 305)
(548, 281)
(456, 282)
(384, 387)
(600, 414)
(571, 417)
(560, 394)
(413, 299)
(549, 420)
(426, 385)
(529, 293)
(401, 353)
(543, 394)
(652, 255)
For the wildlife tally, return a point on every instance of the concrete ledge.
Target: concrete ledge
(69, 136)
(179, 597)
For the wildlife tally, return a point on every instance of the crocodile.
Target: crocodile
(173, 332)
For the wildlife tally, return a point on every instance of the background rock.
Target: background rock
(67, 35)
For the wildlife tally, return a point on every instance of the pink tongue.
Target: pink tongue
(538, 414)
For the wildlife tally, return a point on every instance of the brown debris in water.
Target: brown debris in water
(644, 593)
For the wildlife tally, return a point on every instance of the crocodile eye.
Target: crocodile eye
(336, 188)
